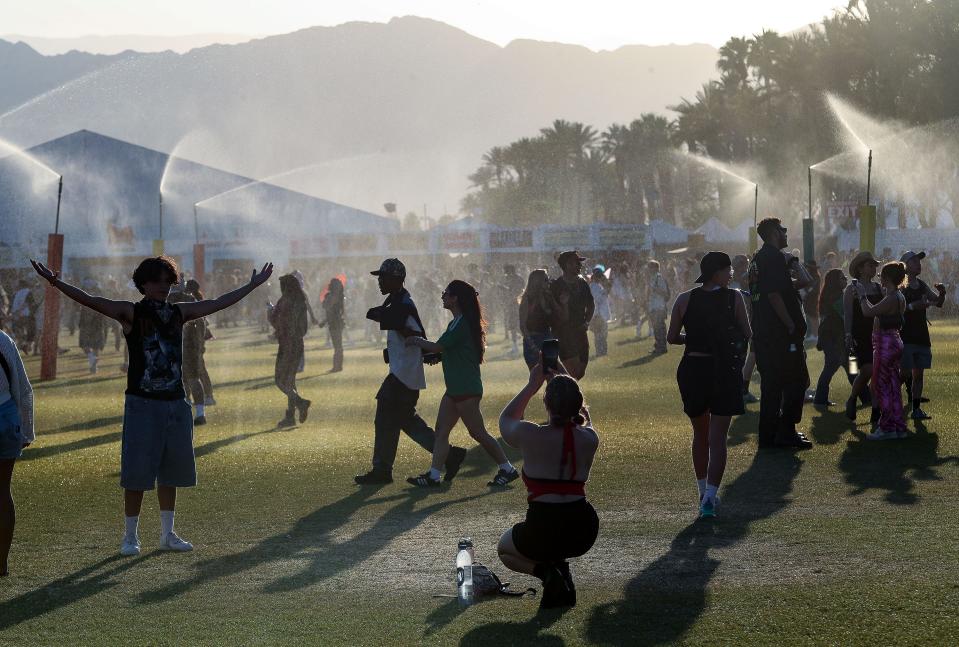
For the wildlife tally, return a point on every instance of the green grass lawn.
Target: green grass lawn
(849, 543)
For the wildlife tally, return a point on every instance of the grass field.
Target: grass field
(851, 542)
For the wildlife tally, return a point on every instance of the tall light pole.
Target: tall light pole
(49, 340)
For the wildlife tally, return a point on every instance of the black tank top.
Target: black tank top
(703, 318)
(915, 327)
(155, 342)
(861, 324)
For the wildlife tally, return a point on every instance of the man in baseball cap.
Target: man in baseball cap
(396, 400)
(572, 293)
(916, 345)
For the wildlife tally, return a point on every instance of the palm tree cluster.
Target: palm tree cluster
(894, 59)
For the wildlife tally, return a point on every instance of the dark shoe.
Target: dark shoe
(454, 460)
(919, 414)
(568, 580)
(303, 407)
(824, 405)
(503, 478)
(288, 421)
(373, 477)
(424, 480)
(199, 420)
(556, 592)
(851, 409)
(794, 441)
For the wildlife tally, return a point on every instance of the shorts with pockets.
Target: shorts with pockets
(157, 444)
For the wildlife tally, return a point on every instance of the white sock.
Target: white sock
(166, 522)
(434, 474)
(199, 410)
(132, 523)
(507, 467)
(702, 487)
(711, 491)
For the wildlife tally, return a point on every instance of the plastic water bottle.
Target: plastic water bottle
(464, 572)
(853, 365)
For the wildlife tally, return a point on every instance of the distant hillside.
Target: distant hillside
(116, 44)
(397, 112)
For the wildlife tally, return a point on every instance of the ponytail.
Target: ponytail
(564, 400)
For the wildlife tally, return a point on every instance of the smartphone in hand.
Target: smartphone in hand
(550, 355)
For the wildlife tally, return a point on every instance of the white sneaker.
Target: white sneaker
(172, 542)
(130, 546)
(882, 434)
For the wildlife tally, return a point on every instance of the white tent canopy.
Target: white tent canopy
(663, 233)
(716, 232)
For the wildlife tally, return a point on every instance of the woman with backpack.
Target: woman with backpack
(462, 346)
(709, 375)
(16, 432)
(557, 457)
(289, 319)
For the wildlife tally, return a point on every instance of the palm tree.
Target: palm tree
(733, 62)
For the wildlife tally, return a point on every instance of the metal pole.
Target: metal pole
(161, 216)
(756, 206)
(196, 224)
(810, 192)
(56, 226)
(869, 178)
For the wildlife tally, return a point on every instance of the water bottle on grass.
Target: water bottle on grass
(464, 572)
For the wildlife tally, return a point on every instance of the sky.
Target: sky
(597, 24)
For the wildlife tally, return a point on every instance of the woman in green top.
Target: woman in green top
(462, 346)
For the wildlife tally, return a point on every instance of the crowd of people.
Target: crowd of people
(744, 313)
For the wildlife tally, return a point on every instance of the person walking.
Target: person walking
(92, 330)
(560, 523)
(917, 345)
(192, 357)
(289, 319)
(396, 400)
(512, 288)
(778, 333)
(572, 293)
(830, 338)
(716, 339)
(887, 351)
(599, 324)
(16, 433)
(156, 448)
(656, 304)
(462, 347)
(193, 289)
(858, 328)
(537, 308)
(334, 307)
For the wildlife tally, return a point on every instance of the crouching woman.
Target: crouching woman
(560, 523)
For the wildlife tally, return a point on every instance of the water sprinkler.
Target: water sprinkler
(56, 225)
(756, 206)
(869, 177)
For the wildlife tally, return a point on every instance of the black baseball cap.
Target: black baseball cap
(712, 262)
(391, 267)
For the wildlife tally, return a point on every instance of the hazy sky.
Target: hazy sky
(598, 24)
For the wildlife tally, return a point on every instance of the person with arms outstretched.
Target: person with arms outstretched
(156, 447)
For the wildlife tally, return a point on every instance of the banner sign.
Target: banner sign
(566, 238)
(454, 241)
(511, 238)
(622, 238)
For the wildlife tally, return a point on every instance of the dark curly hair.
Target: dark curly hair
(155, 269)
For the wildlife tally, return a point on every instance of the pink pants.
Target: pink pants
(887, 390)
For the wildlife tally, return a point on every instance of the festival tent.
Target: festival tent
(713, 231)
(662, 233)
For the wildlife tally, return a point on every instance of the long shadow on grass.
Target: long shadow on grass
(666, 598)
(215, 445)
(517, 633)
(79, 585)
(45, 451)
(311, 538)
(894, 465)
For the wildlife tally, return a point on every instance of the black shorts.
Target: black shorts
(555, 532)
(863, 348)
(574, 344)
(704, 389)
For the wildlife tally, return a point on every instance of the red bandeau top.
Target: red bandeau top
(537, 487)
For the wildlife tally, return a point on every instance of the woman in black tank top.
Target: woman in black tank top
(709, 375)
(862, 269)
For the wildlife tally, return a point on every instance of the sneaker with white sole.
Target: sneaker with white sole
(172, 542)
(130, 546)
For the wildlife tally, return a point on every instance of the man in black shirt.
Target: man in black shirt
(779, 327)
(576, 303)
(916, 346)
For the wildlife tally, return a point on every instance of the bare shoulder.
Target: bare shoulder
(590, 434)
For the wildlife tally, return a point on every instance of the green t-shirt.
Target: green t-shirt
(461, 366)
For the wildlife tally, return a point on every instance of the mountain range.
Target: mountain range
(360, 113)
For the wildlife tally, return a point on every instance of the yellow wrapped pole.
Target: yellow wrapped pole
(867, 228)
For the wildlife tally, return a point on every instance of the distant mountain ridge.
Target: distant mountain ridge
(396, 112)
(119, 43)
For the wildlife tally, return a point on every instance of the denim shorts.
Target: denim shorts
(533, 346)
(914, 356)
(11, 440)
(157, 444)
